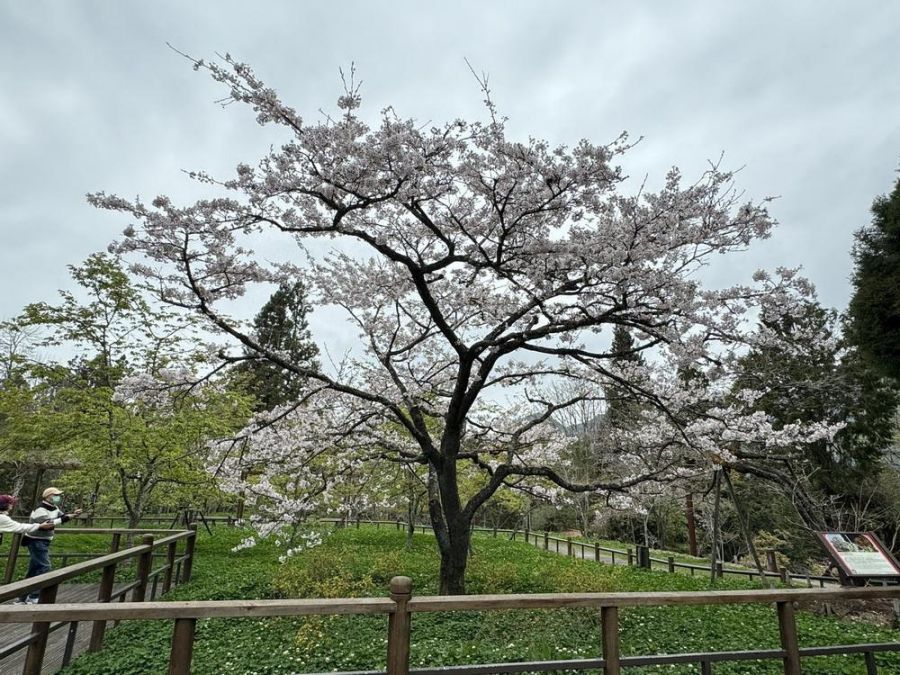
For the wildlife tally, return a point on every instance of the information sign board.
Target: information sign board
(860, 555)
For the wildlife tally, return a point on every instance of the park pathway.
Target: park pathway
(56, 643)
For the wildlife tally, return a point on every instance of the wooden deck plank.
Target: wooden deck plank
(56, 644)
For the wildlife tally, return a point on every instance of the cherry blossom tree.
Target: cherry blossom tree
(475, 267)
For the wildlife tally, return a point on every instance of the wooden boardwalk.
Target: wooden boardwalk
(56, 643)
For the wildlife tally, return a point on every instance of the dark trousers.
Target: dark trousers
(38, 561)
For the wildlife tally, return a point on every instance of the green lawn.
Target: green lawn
(360, 563)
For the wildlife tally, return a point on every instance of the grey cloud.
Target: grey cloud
(804, 95)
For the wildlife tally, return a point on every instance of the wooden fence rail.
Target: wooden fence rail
(638, 556)
(401, 605)
(177, 569)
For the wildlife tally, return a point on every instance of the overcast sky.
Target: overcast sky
(804, 95)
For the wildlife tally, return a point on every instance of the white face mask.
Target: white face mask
(56, 500)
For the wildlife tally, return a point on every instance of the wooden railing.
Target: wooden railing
(630, 556)
(401, 605)
(175, 569)
(63, 557)
(171, 520)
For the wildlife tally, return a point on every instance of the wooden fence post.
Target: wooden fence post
(189, 546)
(596, 551)
(171, 551)
(34, 659)
(787, 628)
(672, 564)
(107, 581)
(609, 620)
(116, 542)
(643, 556)
(71, 636)
(11, 558)
(546, 541)
(182, 647)
(145, 562)
(569, 547)
(398, 627)
(630, 557)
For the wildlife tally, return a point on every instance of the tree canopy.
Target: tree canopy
(490, 265)
(127, 405)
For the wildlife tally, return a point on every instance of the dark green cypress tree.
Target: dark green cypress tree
(820, 379)
(281, 326)
(874, 311)
(621, 404)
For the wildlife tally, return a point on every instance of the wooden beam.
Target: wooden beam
(268, 608)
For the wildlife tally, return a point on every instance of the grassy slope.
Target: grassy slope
(360, 562)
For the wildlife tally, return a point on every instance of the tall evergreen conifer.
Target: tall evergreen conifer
(281, 325)
(875, 307)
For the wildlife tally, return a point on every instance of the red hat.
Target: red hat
(7, 502)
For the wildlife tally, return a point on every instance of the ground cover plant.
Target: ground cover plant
(353, 562)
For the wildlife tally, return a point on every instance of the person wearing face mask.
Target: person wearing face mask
(7, 524)
(38, 542)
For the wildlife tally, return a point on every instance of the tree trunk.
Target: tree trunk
(691, 523)
(410, 527)
(453, 562)
(714, 535)
(745, 528)
(452, 528)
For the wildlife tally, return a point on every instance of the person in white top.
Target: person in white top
(7, 524)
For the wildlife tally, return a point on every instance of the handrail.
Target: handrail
(226, 609)
(114, 530)
(55, 577)
(176, 569)
(401, 605)
(445, 603)
(193, 609)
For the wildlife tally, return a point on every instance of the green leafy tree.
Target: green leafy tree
(125, 404)
(875, 306)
